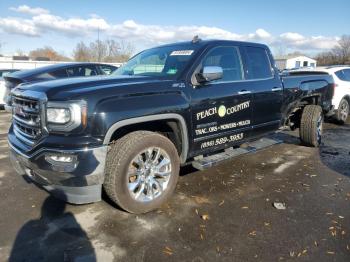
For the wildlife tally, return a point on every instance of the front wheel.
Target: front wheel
(311, 125)
(343, 111)
(142, 170)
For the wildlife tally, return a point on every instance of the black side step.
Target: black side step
(213, 160)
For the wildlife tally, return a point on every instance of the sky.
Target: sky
(308, 26)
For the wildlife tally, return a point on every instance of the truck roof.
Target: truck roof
(216, 42)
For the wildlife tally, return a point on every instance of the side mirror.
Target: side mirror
(210, 73)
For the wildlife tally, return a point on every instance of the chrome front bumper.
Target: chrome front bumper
(78, 182)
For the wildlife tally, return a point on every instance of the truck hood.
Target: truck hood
(81, 87)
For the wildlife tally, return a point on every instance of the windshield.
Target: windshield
(168, 62)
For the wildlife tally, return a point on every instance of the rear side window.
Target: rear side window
(228, 59)
(343, 75)
(82, 71)
(61, 73)
(258, 63)
(107, 69)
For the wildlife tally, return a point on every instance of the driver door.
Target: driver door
(221, 109)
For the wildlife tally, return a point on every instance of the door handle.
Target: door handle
(244, 92)
(275, 89)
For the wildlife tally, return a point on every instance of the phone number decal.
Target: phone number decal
(222, 140)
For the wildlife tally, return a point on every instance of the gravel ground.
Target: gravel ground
(225, 213)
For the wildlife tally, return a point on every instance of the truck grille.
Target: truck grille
(26, 119)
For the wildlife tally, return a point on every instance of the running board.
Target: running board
(213, 160)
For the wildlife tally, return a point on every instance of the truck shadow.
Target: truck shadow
(55, 236)
(335, 149)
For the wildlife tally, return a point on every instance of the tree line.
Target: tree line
(339, 55)
(108, 50)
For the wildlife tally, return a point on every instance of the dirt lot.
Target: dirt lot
(225, 213)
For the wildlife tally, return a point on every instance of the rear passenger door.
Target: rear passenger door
(267, 90)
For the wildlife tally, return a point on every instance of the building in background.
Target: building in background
(294, 61)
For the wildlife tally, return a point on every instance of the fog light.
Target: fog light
(65, 159)
(62, 162)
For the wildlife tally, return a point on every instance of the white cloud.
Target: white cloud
(19, 26)
(42, 22)
(71, 26)
(29, 10)
(292, 36)
(298, 41)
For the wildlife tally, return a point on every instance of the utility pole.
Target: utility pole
(98, 45)
(1, 45)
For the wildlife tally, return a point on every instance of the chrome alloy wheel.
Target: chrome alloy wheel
(319, 129)
(149, 174)
(344, 111)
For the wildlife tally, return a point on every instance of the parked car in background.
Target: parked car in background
(51, 72)
(4, 72)
(108, 69)
(341, 98)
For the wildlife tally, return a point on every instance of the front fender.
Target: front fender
(114, 113)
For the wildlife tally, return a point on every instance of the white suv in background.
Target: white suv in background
(341, 98)
(4, 72)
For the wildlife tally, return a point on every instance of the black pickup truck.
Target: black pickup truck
(167, 106)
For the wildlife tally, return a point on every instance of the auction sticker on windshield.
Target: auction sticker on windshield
(182, 52)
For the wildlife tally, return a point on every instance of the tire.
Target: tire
(128, 155)
(342, 112)
(311, 125)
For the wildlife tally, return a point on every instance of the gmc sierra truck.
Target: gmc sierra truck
(168, 106)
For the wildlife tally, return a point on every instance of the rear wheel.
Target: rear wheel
(343, 111)
(142, 170)
(311, 126)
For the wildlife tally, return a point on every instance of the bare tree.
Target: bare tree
(20, 52)
(339, 55)
(81, 53)
(326, 58)
(98, 50)
(49, 53)
(342, 50)
(126, 49)
(103, 51)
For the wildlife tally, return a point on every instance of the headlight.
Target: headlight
(65, 116)
(58, 115)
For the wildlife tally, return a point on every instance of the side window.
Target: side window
(61, 73)
(258, 63)
(228, 59)
(150, 64)
(107, 69)
(90, 71)
(51, 75)
(341, 75)
(82, 71)
(347, 74)
(297, 64)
